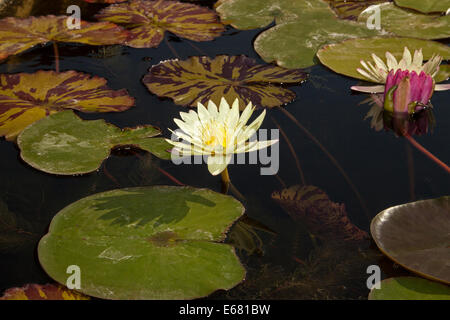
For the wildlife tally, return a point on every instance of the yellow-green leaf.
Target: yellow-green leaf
(148, 20)
(27, 97)
(199, 79)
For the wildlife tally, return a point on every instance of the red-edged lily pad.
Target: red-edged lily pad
(18, 35)
(416, 236)
(27, 97)
(148, 20)
(42, 292)
(199, 79)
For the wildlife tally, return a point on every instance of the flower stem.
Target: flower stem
(225, 181)
(56, 53)
(427, 153)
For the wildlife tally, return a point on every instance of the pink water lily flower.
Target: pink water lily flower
(407, 85)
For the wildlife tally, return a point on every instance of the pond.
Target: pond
(325, 142)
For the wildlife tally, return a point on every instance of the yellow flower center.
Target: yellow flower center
(214, 133)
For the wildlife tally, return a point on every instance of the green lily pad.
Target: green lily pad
(425, 6)
(416, 236)
(410, 288)
(65, 144)
(302, 27)
(158, 242)
(408, 23)
(199, 79)
(350, 9)
(147, 21)
(345, 57)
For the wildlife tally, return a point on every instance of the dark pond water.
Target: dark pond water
(384, 169)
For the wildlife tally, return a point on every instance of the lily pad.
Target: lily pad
(350, 9)
(28, 97)
(410, 288)
(425, 6)
(345, 57)
(42, 292)
(148, 20)
(18, 35)
(146, 243)
(199, 79)
(65, 144)
(408, 23)
(302, 27)
(415, 235)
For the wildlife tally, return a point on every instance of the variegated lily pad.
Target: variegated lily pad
(199, 79)
(302, 27)
(27, 97)
(42, 292)
(350, 9)
(345, 57)
(409, 23)
(18, 35)
(148, 20)
(145, 243)
(425, 6)
(416, 236)
(65, 144)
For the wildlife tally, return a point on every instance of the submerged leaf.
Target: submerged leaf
(146, 243)
(302, 27)
(28, 97)
(323, 217)
(199, 79)
(65, 144)
(416, 236)
(345, 57)
(42, 292)
(17, 35)
(410, 288)
(148, 20)
(425, 6)
(408, 23)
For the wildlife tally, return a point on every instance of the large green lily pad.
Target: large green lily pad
(148, 20)
(410, 288)
(145, 243)
(409, 23)
(302, 27)
(199, 79)
(17, 35)
(345, 57)
(425, 6)
(28, 97)
(65, 144)
(416, 236)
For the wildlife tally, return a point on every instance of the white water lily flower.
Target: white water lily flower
(218, 133)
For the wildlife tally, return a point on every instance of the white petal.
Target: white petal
(380, 63)
(442, 87)
(391, 61)
(233, 115)
(407, 57)
(368, 89)
(203, 114)
(218, 163)
(212, 109)
(418, 58)
(368, 76)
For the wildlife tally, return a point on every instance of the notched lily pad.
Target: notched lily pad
(147, 21)
(416, 236)
(199, 79)
(65, 144)
(345, 57)
(42, 292)
(28, 97)
(409, 23)
(410, 288)
(18, 35)
(146, 243)
(302, 27)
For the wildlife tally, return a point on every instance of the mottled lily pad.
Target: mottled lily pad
(416, 236)
(302, 27)
(345, 57)
(409, 23)
(146, 243)
(42, 292)
(148, 20)
(18, 35)
(350, 9)
(410, 288)
(425, 6)
(199, 79)
(28, 97)
(65, 144)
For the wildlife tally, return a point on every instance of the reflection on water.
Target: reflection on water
(300, 258)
